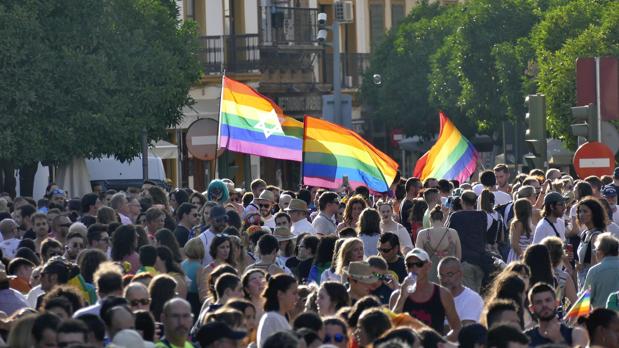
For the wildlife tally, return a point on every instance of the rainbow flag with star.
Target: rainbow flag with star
(451, 157)
(253, 124)
(331, 152)
(581, 307)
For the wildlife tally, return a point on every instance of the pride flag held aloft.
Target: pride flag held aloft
(253, 124)
(331, 152)
(451, 157)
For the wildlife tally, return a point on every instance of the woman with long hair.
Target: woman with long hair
(166, 264)
(205, 213)
(281, 296)
(388, 224)
(220, 251)
(322, 260)
(521, 229)
(582, 190)
(351, 250)
(562, 271)
(415, 217)
(369, 231)
(508, 286)
(591, 216)
(331, 297)
(197, 200)
(124, 245)
(254, 282)
(354, 207)
(161, 289)
(438, 241)
(537, 257)
(176, 198)
(165, 237)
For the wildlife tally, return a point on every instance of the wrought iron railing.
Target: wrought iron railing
(239, 53)
(287, 26)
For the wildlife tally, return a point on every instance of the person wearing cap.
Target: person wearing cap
(361, 280)
(177, 320)
(297, 209)
(429, 302)
(217, 334)
(609, 193)
(265, 202)
(218, 221)
(552, 225)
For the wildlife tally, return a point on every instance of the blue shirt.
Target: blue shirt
(602, 279)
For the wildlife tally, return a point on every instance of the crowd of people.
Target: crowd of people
(494, 262)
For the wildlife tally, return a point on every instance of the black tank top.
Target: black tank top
(430, 312)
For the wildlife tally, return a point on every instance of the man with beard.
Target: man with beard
(550, 330)
(177, 319)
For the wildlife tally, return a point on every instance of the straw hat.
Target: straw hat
(283, 234)
(297, 205)
(266, 195)
(361, 271)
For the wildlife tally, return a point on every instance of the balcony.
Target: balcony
(354, 65)
(240, 54)
(291, 27)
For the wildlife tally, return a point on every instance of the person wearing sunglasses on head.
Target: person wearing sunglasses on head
(423, 299)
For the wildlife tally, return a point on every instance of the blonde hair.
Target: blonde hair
(194, 249)
(20, 335)
(107, 268)
(343, 255)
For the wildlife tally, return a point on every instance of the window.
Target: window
(191, 9)
(377, 24)
(398, 13)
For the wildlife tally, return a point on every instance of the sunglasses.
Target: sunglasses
(417, 264)
(143, 302)
(264, 205)
(337, 338)
(65, 225)
(222, 235)
(195, 215)
(385, 250)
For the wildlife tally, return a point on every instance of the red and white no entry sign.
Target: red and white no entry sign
(594, 158)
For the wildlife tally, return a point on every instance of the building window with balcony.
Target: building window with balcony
(190, 12)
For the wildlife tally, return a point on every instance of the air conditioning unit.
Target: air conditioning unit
(344, 11)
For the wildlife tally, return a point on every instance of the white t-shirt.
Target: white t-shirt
(207, 238)
(543, 230)
(270, 222)
(270, 323)
(302, 226)
(469, 305)
(9, 247)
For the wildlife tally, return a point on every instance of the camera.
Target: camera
(322, 35)
(322, 18)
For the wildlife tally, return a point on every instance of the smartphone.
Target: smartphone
(345, 181)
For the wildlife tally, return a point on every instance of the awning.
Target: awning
(164, 149)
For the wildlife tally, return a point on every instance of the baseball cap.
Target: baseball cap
(421, 254)
(609, 191)
(553, 197)
(215, 330)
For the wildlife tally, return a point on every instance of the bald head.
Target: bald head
(175, 304)
(8, 228)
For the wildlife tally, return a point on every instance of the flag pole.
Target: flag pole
(302, 152)
(221, 102)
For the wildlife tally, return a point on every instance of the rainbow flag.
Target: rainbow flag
(581, 307)
(253, 124)
(331, 152)
(451, 157)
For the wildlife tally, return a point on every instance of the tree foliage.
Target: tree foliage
(478, 60)
(84, 77)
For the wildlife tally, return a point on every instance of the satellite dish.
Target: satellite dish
(610, 136)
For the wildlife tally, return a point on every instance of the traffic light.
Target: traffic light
(588, 122)
(535, 135)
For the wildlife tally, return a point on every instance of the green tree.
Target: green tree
(82, 78)
(578, 29)
(403, 62)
